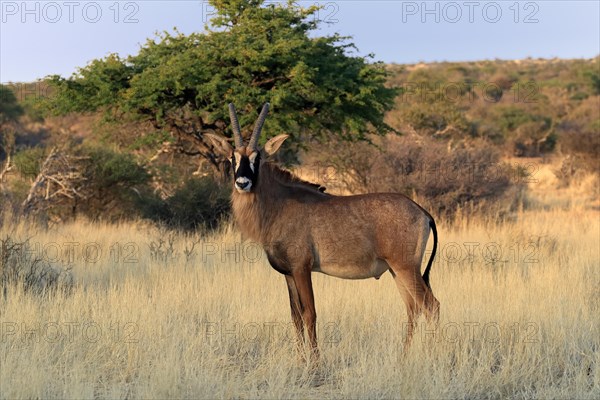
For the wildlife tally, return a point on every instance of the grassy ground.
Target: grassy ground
(154, 314)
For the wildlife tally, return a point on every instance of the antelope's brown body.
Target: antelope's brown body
(350, 237)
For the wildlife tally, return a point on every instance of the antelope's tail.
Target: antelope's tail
(435, 242)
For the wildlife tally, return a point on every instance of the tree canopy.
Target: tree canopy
(250, 53)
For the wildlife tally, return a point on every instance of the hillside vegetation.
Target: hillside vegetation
(456, 126)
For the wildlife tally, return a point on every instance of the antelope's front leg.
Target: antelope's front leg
(303, 281)
(296, 308)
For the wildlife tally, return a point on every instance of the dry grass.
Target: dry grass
(152, 320)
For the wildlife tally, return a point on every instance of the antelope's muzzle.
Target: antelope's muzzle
(243, 184)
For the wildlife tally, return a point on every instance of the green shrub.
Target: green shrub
(201, 203)
(594, 80)
(107, 168)
(112, 184)
(29, 161)
(10, 109)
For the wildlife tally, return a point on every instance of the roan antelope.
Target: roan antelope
(304, 230)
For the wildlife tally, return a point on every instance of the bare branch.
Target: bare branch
(59, 177)
(8, 166)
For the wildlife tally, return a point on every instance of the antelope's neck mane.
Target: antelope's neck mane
(255, 212)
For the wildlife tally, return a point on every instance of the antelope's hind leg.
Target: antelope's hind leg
(417, 297)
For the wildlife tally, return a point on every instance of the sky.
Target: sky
(40, 38)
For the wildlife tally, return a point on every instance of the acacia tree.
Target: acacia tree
(250, 53)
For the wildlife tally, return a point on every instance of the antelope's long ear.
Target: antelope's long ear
(220, 144)
(275, 143)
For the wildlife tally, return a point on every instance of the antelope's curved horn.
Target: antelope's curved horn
(237, 132)
(258, 127)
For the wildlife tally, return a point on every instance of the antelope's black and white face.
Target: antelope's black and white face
(245, 169)
(245, 158)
